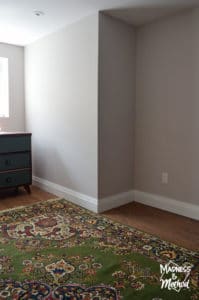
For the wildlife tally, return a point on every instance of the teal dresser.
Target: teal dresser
(15, 160)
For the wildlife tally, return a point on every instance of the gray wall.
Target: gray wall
(167, 107)
(116, 106)
(16, 120)
(61, 105)
(89, 135)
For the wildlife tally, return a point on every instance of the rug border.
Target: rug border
(98, 215)
(29, 205)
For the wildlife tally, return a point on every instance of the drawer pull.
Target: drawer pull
(8, 179)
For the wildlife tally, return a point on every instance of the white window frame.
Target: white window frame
(4, 87)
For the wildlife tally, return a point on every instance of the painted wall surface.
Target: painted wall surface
(16, 120)
(111, 109)
(167, 107)
(61, 105)
(116, 106)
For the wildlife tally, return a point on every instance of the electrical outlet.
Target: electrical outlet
(165, 177)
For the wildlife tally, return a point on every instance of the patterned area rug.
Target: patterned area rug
(57, 250)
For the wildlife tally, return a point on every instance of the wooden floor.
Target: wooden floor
(170, 227)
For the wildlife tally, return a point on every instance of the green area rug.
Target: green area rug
(57, 250)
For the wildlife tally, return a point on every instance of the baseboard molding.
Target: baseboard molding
(100, 205)
(115, 201)
(181, 208)
(83, 200)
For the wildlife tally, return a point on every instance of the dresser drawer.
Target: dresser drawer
(15, 161)
(11, 179)
(15, 143)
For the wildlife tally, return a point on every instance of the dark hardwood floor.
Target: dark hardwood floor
(170, 227)
(9, 198)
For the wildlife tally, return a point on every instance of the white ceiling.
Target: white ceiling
(18, 24)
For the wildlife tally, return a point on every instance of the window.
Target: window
(4, 88)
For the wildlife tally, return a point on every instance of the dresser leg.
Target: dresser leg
(27, 188)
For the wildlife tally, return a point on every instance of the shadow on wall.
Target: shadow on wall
(54, 169)
(141, 15)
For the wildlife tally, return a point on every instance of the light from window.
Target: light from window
(4, 88)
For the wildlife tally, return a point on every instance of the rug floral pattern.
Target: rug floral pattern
(57, 250)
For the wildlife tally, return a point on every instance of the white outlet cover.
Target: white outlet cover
(165, 178)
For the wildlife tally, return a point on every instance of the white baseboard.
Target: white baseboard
(71, 195)
(100, 205)
(115, 201)
(181, 208)
(83, 200)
